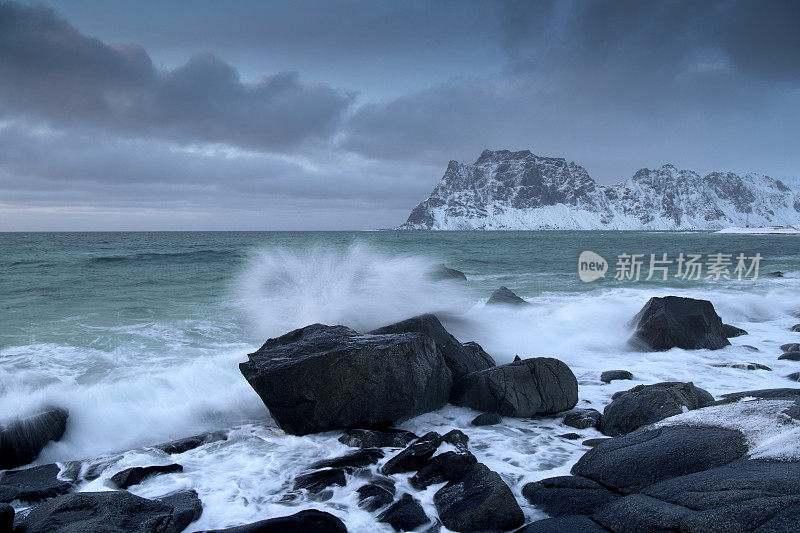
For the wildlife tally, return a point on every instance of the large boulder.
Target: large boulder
(460, 358)
(186, 507)
(319, 378)
(537, 386)
(479, 501)
(645, 404)
(405, 514)
(505, 296)
(310, 521)
(32, 484)
(22, 439)
(567, 495)
(672, 321)
(639, 459)
(100, 512)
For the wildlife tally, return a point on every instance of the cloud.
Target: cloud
(50, 71)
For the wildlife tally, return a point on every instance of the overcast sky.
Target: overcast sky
(343, 115)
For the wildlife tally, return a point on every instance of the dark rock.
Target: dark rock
(743, 366)
(186, 507)
(457, 438)
(638, 512)
(447, 466)
(791, 347)
(22, 439)
(776, 274)
(672, 321)
(538, 386)
(133, 476)
(315, 482)
(460, 358)
(790, 356)
(320, 378)
(787, 393)
(374, 438)
(732, 331)
(647, 456)
(567, 495)
(190, 443)
(309, 521)
(795, 328)
(96, 512)
(517, 358)
(373, 496)
(487, 419)
(645, 404)
(479, 501)
(794, 376)
(32, 484)
(570, 436)
(750, 348)
(6, 518)
(564, 524)
(582, 418)
(405, 514)
(594, 442)
(441, 272)
(412, 458)
(504, 296)
(610, 375)
(351, 461)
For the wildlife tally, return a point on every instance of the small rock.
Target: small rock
(732, 331)
(742, 366)
(186, 507)
(776, 274)
(22, 439)
(479, 501)
(373, 496)
(794, 376)
(190, 443)
(567, 495)
(791, 347)
(133, 476)
(582, 418)
(517, 358)
(309, 521)
(790, 356)
(441, 272)
(447, 466)
(412, 458)
(570, 436)
(672, 321)
(795, 328)
(373, 438)
(504, 296)
(610, 375)
(750, 348)
(351, 461)
(457, 438)
(32, 484)
(405, 514)
(487, 419)
(594, 442)
(315, 482)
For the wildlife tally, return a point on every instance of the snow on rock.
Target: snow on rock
(520, 190)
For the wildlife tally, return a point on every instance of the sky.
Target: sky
(343, 115)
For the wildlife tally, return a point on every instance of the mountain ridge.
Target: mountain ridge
(520, 190)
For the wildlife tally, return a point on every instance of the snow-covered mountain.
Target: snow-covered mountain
(520, 190)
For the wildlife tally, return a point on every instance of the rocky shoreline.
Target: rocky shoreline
(673, 457)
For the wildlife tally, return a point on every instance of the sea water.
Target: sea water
(139, 336)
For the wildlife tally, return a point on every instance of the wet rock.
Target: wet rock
(750, 348)
(415, 456)
(22, 439)
(487, 419)
(374, 438)
(672, 321)
(441, 273)
(610, 375)
(567, 495)
(794, 376)
(133, 476)
(732, 331)
(787, 393)
(461, 359)
(373, 496)
(316, 482)
(564, 524)
(319, 378)
(795, 328)
(6, 518)
(743, 366)
(647, 456)
(405, 514)
(107, 512)
(791, 347)
(504, 296)
(639, 512)
(645, 404)
(32, 484)
(190, 443)
(776, 274)
(594, 442)
(790, 356)
(309, 521)
(537, 386)
(457, 438)
(570, 436)
(479, 501)
(582, 418)
(447, 466)
(351, 461)
(186, 507)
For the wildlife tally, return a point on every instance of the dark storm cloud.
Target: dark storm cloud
(50, 70)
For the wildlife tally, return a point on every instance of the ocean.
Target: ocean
(139, 336)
